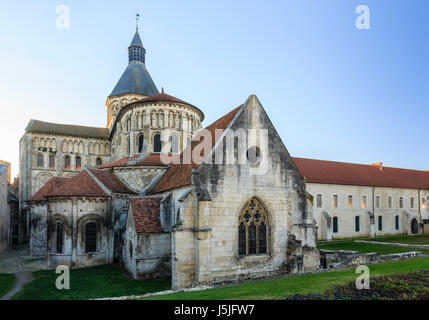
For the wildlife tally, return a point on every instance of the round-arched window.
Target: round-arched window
(67, 162)
(140, 142)
(157, 146)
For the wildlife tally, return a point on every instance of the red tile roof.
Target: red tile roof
(153, 159)
(179, 175)
(111, 181)
(81, 185)
(146, 214)
(117, 163)
(332, 172)
(163, 97)
(46, 189)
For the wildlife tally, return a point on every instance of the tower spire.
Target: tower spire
(137, 22)
(136, 51)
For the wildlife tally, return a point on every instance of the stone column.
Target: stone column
(74, 231)
(203, 243)
(59, 157)
(86, 157)
(132, 134)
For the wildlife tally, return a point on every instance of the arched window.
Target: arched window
(67, 162)
(59, 238)
(174, 142)
(157, 147)
(98, 162)
(91, 237)
(357, 224)
(131, 249)
(140, 142)
(51, 162)
(128, 145)
(335, 225)
(252, 229)
(380, 223)
(40, 160)
(396, 222)
(78, 163)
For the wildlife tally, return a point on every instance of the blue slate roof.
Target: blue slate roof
(137, 42)
(135, 79)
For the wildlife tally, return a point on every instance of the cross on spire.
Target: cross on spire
(137, 21)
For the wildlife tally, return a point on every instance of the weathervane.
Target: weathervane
(137, 21)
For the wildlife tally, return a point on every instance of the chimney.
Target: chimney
(379, 165)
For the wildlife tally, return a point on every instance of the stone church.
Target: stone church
(159, 193)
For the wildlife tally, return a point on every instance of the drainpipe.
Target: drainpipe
(373, 212)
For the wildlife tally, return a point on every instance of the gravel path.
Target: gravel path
(17, 260)
(22, 278)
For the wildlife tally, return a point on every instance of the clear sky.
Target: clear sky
(332, 91)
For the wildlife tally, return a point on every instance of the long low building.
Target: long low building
(360, 200)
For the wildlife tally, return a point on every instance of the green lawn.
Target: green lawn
(418, 239)
(6, 283)
(89, 283)
(366, 247)
(305, 284)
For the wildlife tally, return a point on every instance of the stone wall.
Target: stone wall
(148, 119)
(39, 235)
(34, 175)
(334, 259)
(147, 255)
(205, 242)
(74, 214)
(153, 256)
(139, 178)
(4, 211)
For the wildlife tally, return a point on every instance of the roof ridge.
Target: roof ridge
(343, 173)
(64, 124)
(360, 164)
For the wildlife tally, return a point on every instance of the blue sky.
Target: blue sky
(332, 91)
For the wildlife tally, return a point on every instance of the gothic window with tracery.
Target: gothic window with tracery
(252, 229)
